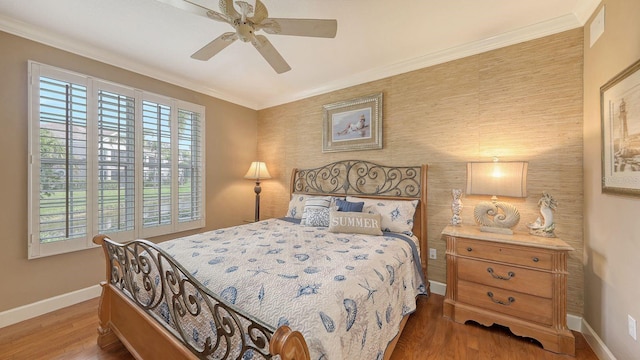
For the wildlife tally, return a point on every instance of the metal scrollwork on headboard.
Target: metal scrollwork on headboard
(358, 177)
(167, 292)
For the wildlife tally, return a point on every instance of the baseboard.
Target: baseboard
(597, 345)
(25, 312)
(437, 288)
(574, 322)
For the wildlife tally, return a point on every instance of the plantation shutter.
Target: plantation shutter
(111, 159)
(116, 162)
(62, 144)
(157, 154)
(190, 165)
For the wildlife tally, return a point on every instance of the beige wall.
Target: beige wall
(231, 133)
(523, 102)
(612, 232)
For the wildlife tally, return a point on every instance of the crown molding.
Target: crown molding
(89, 51)
(549, 27)
(584, 9)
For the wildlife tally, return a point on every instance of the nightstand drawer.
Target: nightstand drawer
(523, 306)
(507, 277)
(503, 253)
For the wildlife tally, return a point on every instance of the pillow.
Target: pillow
(397, 215)
(316, 212)
(354, 223)
(296, 204)
(344, 205)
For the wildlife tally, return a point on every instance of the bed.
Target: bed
(288, 287)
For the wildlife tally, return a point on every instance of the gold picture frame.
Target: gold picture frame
(620, 113)
(354, 124)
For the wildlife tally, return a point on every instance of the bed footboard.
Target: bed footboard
(157, 309)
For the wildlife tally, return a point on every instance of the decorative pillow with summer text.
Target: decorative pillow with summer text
(397, 215)
(354, 223)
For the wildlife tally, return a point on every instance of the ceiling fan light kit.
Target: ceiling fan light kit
(246, 26)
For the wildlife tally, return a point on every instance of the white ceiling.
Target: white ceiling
(375, 39)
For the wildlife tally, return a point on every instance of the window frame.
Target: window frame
(36, 249)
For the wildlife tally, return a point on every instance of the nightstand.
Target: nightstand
(518, 281)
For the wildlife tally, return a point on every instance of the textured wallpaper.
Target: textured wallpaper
(522, 102)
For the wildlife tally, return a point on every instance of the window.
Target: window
(105, 158)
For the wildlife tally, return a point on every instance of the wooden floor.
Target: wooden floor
(70, 333)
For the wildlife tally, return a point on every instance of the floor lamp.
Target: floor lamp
(257, 171)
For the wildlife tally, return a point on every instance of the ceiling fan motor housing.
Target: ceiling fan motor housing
(245, 30)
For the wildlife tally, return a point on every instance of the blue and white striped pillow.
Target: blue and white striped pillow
(316, 212)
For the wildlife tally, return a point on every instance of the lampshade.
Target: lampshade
(257, 170)
(497, 178)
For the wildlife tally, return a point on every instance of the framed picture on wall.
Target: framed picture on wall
(620, 107)
(354, 124)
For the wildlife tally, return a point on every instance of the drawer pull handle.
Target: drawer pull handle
(510, 274)
(469, 249)
(510, 300)
(535, 259)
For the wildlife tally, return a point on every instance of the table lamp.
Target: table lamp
(497, 178)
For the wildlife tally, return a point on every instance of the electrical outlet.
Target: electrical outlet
(433, 254)
(632, 327)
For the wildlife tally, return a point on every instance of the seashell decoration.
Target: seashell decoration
(456, 207)
(544, 226)
(496, 216)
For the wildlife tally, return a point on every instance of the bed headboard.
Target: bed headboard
(366, 179)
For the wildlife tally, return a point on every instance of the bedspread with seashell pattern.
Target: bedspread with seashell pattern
(346, 293)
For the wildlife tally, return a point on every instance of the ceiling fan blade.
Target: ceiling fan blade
(219, 17)
(194, 3)
(226, 6)
(301, 27)
(188, 6)
(260, 13)
(195, 7)
(269, 53)
(215, 46)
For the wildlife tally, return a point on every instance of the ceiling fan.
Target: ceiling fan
(249, 20)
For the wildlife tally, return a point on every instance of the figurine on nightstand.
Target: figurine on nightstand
(456, 207)
(545, 226)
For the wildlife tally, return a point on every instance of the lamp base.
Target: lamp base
(497, 217)
(496, 230)
(257, 190)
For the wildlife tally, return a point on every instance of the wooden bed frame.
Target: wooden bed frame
(126, 311)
